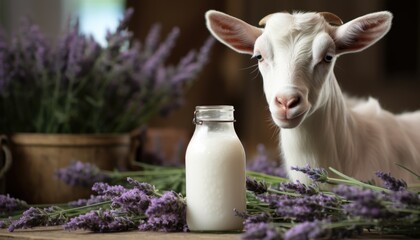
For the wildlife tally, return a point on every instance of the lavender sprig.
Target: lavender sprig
(145, 188)
(94, 199)
(320, 175)
(316, 174)
(133, 201)
(167, 213)
(81, 174)
(298, 187)
(263, 163)
(161, 53)
(364, 202)
(9, 204)
(105, 189)
(250, 221)
(255, 186)
(304, 208)
(404, 198)
(101, 221)
(262, 230)
(152, 39)
(390, 182)
(34, 217)
(306, 230)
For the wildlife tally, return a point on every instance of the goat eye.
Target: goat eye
(259, 57)
(328, 58)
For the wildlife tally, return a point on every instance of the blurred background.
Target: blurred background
(387, 71)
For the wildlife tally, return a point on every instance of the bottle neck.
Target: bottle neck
(213, 114)
(214, 118)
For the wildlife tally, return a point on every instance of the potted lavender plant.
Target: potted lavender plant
(78, 100)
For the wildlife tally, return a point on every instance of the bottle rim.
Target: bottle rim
(204, 108)
(213, 107)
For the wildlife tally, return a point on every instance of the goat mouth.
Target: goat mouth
(289, 117)
(285, 121)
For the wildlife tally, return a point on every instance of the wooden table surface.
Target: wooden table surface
(52, 233)
(57, 233)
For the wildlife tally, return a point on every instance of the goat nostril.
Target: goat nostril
(288, 103)
(293, 102)
(281, 101)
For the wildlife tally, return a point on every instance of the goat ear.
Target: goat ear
(233, 32)
(362, 32)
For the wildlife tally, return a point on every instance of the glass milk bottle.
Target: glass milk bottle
(215, 172)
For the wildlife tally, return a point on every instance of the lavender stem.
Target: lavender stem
(354, 181)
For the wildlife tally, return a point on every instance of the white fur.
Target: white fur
(324, 129)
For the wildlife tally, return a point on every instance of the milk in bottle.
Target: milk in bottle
(215, 172)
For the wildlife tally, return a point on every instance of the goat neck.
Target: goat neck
(322, 139)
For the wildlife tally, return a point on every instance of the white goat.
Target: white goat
(320, 127)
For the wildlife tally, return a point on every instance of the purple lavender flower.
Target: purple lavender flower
(251, 220)
(364, 202)
(78, 203)
(146, 188)
(152, 39)
(256, 186)
(264, 164)
(75, 55)
(262, 231)
(187, 68)
(298, 187)
(321, 229)
(182, 75)
(304, 208)
(107, 190)
(121, 35)
(404, 198)
(316, 174)
(92, 200)
(34, 47)
(82, 56)
(307, 207)
(133, 201)
(101, 221)
(81, 174)
(34, 217)
(161, 53)
(390, 182)
(367, 210)
(354, 193)
(305, 231)
(167, 214)
(272, 199)
(9, 204)
(85, 75)
(123, 24)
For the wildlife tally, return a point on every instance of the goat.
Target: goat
(296, 54)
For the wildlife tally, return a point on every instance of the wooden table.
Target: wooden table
(57, 233)
(52, 233)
